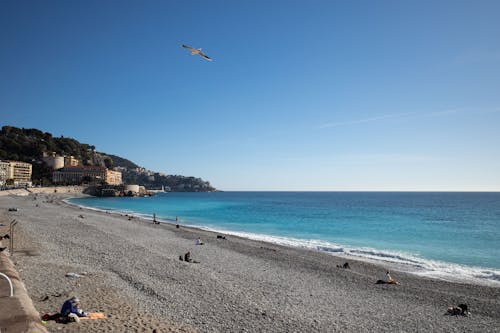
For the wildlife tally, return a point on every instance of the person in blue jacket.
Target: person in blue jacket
(72, 305)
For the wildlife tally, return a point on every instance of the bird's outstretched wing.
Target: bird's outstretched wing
(187, 47)
(205, 56)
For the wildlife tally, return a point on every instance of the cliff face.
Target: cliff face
(29, 145)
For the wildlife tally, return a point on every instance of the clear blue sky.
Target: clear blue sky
(301, 95)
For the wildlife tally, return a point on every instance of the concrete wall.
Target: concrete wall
(17, 313)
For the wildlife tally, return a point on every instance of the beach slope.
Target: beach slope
(132, 273)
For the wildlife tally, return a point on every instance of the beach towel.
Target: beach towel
(94, 315)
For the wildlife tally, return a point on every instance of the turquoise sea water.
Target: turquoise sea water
(443, 235)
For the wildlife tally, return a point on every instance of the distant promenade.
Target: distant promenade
(42, 190)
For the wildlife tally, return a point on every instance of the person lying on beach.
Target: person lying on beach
(6, 236)
(199, 241)
(461, 309)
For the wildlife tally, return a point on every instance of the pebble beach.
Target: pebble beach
(129, 269)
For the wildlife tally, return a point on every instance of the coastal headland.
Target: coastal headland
(129, 269)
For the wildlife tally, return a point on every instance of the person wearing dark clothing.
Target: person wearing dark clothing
(72, 305)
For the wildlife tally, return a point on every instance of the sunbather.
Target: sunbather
(390, 280)
(187, 258)
(461, 309)
(72, 306)
(345, 266)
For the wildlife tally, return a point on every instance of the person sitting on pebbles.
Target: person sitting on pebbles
(199, 241)
(187, 258)
(390, 280)
(71, 309)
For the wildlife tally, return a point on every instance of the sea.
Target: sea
(445, 235)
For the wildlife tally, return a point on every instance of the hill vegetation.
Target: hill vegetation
(30, 145)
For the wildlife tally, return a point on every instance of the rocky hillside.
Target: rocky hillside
(29, 145)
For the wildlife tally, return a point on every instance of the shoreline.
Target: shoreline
(240, 284)
(400, 261)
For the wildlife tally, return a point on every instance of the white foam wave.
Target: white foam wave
(398, 259)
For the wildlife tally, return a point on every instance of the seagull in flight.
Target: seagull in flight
(197, 51)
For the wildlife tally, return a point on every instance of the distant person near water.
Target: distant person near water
(388, 279)
(345, 266)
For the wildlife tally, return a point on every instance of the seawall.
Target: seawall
(17, 313)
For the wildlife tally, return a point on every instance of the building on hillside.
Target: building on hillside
(113, 177)
(70, 161)
(18, 172)
(4, 172)
(54, 162)
(80, 174)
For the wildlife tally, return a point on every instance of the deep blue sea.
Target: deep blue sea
(453, 236)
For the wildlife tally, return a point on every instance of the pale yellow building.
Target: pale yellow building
(113, 177)
(70, 161)
(19, 172)
(57, 162)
